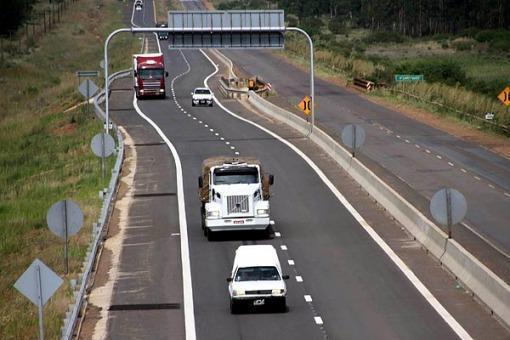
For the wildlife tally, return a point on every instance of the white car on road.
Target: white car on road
(257, 279)
(201, 96)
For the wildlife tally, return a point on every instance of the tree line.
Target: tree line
(408, 17)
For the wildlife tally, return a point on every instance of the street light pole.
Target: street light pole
(312, 85)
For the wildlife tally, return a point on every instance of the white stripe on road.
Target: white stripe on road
(431, 299)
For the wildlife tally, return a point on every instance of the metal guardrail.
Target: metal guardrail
(364, 84)
(97, 228)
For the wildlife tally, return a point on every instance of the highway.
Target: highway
(344, 283)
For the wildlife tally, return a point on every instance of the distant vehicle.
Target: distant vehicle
(138, 5)
(201, 96)
(149, 75)
(256, 279)
(235, 195)
(162, 35)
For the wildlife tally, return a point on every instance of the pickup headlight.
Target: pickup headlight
(213, 213)
(262, 211)
(238, 292)
(277, 291)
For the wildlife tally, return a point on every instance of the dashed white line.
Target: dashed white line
(506, 194)
(477, 178)
(216, 134)
(232, 147)
(417, 146)
(194, 118)
(427, 150)
(277, 234)
(283, 247)
(398, 136)
(206, 125)
(227, 143)
(450, 164)
(221, 138)
(492, 186)
(200, 122)
(439, 157)
(291, 262)
(212, 130)
(308, 298)
(299, 279)
(318, 320)
(463, 170)
(408, 141)
(236, 153)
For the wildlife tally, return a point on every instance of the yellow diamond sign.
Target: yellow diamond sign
(306, 105)
(504, 96)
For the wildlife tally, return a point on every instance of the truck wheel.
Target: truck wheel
(192, 104)
(283, 306)
(202, 213)
(234, 307)
(209, 234)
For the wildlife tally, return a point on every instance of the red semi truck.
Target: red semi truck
(149, 74)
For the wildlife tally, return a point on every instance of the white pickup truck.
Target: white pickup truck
(201, 96)
(235, 195)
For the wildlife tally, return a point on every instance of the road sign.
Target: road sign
(305, 105)
(87, 88)
(504, 96)
(353, 136)
(38, 284)
(64, 219)
(87, 74)
(102, 145)
(448, 207)
(409, 77)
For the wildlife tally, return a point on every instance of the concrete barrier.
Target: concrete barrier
(486, 285)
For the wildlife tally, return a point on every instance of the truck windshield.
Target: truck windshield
(245, 175)
(151, 73)
(202, 91)
(257, 274)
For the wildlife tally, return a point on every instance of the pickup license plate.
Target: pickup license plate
(238, 221)
(259, 302)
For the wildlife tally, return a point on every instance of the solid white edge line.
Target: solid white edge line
(431, 299)
(189, 314)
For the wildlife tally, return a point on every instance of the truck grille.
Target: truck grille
(255, 292)
(238, 204)
(150, 85)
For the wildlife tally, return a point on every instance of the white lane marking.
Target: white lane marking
(212, 130)
(283, 247)
(236, 153)
(308, 298)
(175, 234)
(277, 234)
(189, 314)
(291, 262)
(420, 287)
(439, 157)
(417, 146)
(408, 141)
(427, 150)
(318, 320)
(299, 279)
(200, 122)
(206, 125)
(221, 138)
(194, 118)
(477, 178)
(232, 147)
(227, 143)
(506, 194)
(491, 186)
(189, 114)
(398, 136)
(463, 170)
(184, 111)
(450, 164)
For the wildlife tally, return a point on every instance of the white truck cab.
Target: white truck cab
(235, 195)
(256, 279)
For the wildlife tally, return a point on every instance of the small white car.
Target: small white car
(257, 279)
(201, 96)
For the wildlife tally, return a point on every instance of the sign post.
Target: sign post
(87, 88)
(448, 207)
(102, 146)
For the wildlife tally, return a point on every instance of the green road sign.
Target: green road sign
(409, 77)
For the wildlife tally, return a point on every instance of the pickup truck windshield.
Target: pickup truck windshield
(257, 274)
(151, 73)
(246, 175)
(202, 91)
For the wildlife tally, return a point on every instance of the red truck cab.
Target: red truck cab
(149, 75)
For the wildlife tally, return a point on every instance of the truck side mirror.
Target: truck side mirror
(200, 182)
(271, 179)
(166, 73)
(191, 93)
(229, 279)
(285, 277)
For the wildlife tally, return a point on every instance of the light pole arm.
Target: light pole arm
(312, 85)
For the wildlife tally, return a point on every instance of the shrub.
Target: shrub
(337, 26)
(311, 25)
(498, 40)
(384, 37)
(444, 71)
(462, 45)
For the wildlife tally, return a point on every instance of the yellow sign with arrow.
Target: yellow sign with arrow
(504, 96)
(305, 105)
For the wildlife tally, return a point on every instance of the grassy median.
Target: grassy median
(45, 154)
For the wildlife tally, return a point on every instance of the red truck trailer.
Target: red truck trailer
(149, 75)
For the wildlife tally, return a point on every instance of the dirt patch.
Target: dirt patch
(497, 144)
(65, 130)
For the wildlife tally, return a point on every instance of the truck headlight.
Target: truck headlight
(277, 291)
(161, 90)
(213, 213)
(262, 211)
(238, 292)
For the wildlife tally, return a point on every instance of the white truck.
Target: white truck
(234, 193)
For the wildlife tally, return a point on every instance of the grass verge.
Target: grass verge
(45, 156)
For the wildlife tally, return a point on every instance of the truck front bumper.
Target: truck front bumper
(240, 223)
